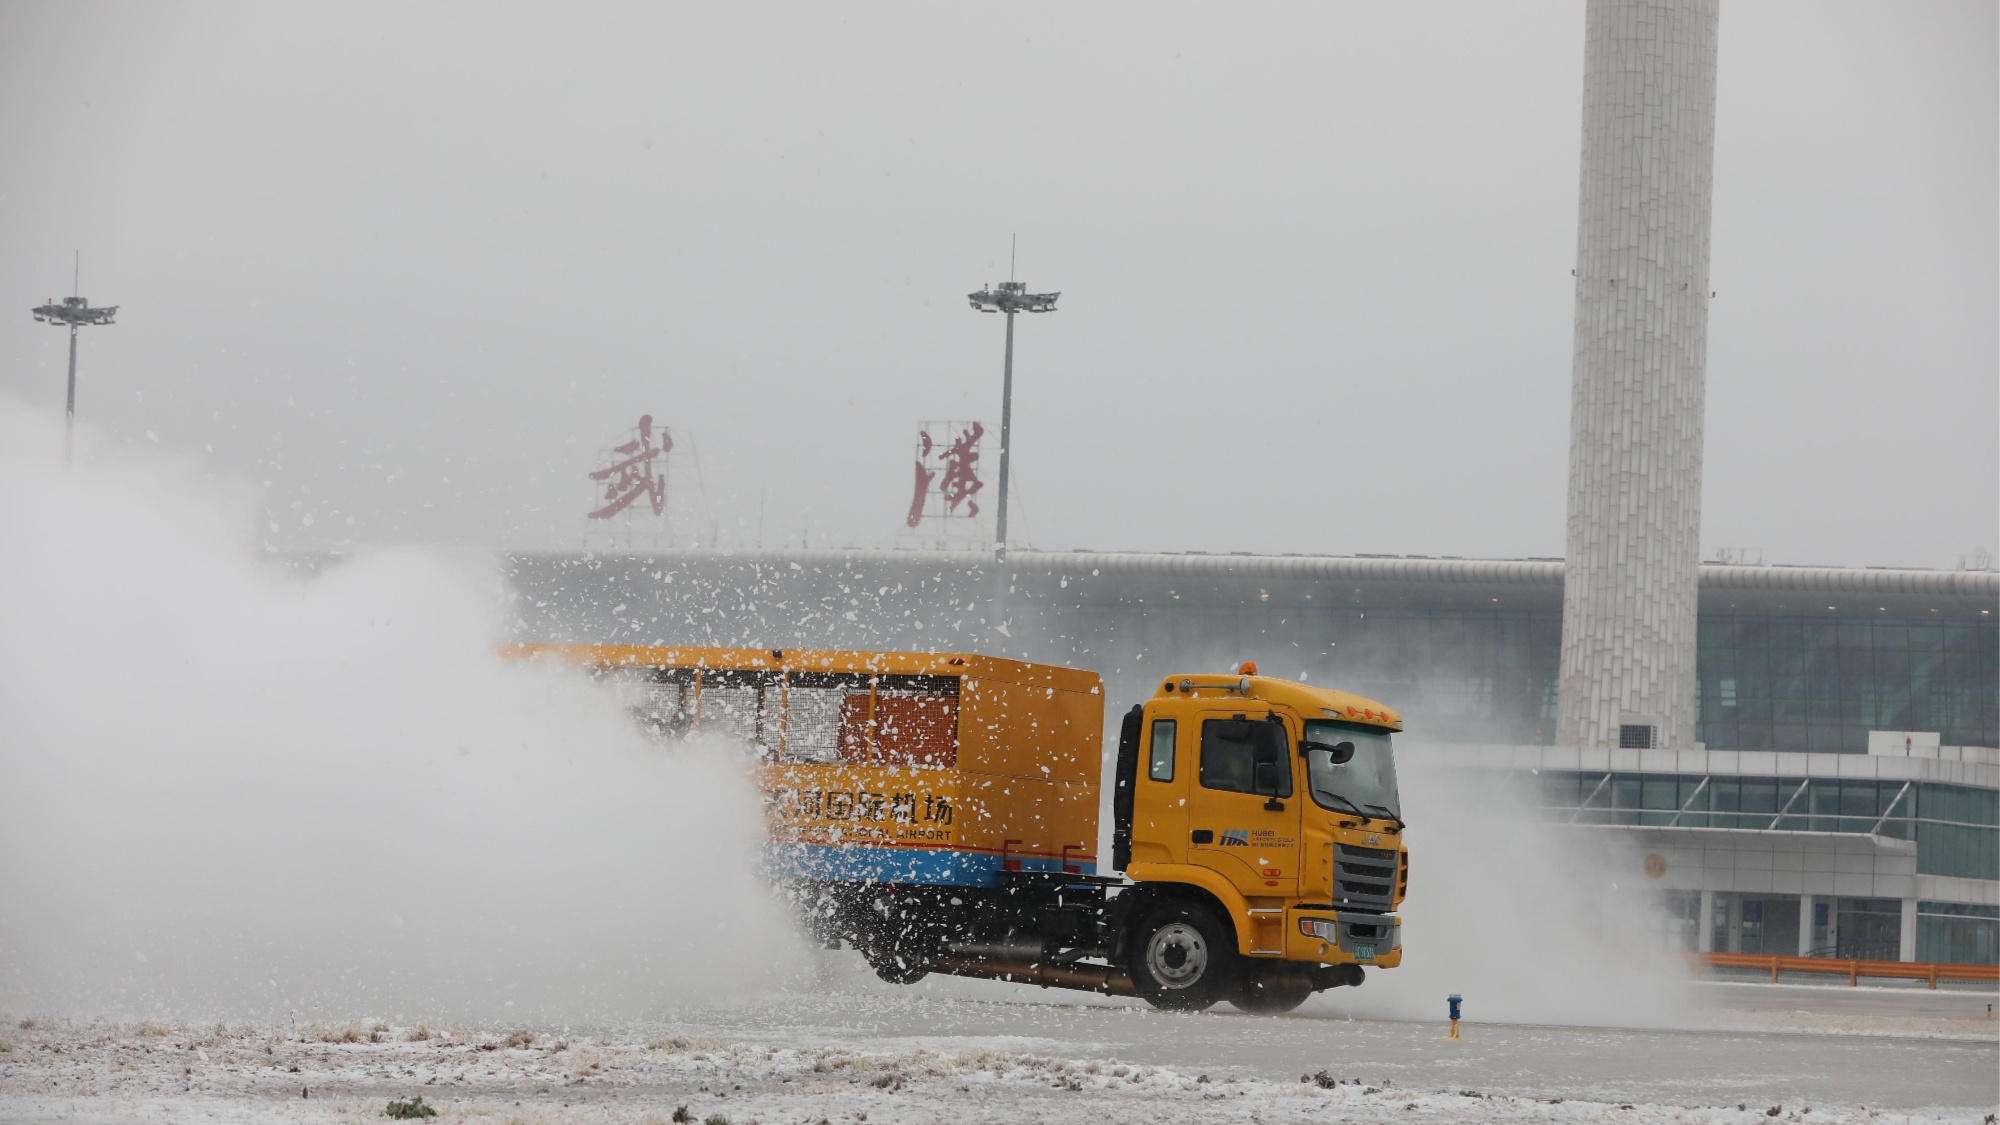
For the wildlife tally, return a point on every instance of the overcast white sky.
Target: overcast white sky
(414, 265)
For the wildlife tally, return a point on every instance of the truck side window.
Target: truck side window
(1232, 749)
(1162, 767)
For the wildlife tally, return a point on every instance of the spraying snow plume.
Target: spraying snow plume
(1520, 916)
(225, 789)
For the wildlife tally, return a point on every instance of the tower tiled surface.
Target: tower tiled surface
(1642, 292)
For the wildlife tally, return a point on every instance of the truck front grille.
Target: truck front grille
(1364, 878)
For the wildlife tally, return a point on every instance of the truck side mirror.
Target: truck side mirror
(1340, 753)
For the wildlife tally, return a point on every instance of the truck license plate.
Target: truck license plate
(1364, 952)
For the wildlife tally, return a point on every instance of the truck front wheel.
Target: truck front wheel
(1182, 958)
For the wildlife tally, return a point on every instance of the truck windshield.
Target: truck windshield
(1365, 781)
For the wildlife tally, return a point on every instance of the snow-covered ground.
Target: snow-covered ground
(73, 1071)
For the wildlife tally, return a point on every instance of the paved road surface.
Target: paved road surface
(1683, 1067)
(1914, 1003)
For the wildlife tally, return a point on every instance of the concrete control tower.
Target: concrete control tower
(1634, 546)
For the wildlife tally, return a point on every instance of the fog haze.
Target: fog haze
(406, 269)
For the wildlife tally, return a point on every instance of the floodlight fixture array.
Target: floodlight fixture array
(75, 312)
(1011, 297)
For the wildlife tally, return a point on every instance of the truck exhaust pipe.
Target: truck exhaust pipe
(1113, 981)
(1106, 979)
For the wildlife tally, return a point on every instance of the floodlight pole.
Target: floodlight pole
(1006, 438)
(1008, 297)
(69, 403)
(75, 312)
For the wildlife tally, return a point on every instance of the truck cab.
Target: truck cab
(1262, 816)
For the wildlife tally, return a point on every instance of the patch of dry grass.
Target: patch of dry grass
(353, 1031)
(447, 1034)
(217, 1036)
(683, 1043)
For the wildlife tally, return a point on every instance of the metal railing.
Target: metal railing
(1858, 824)
(1852, 969)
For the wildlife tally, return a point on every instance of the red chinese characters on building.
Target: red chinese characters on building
(954, 469)
(637, 474)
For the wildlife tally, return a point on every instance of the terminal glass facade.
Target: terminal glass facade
(1764, 681)
(1957, 829)
(1869, 928)
(1774, 682)
(1457, 675)
(1467, 675)
(1959, 934)
(1952, 837)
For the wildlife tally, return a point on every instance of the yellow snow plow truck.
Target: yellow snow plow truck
(939, 812)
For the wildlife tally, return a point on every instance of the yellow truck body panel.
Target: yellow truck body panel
(942, 768)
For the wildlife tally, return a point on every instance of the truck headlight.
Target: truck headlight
(1325, 929)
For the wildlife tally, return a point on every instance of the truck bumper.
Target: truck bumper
(1331, 938)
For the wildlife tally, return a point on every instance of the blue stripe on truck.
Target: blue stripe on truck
(861, 863)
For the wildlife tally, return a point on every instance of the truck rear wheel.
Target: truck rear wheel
(1182, 958)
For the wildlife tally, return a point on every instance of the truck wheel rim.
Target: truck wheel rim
(1176, 955)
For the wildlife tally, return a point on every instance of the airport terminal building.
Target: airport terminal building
(1842, 797)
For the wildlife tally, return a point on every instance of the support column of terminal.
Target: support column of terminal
(1906, 934)
(1638, 373)
(1805, 925)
